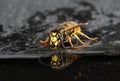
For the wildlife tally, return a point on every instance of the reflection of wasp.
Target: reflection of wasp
(62, 60)
(63, 33)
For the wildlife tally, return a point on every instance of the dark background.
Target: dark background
(21, 21)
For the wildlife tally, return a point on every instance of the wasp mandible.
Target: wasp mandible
(64, 32)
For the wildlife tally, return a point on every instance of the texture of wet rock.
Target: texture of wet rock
(1, 28)
(15, 40)
(109, 33)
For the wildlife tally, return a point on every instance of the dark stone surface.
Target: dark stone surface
(21, 21)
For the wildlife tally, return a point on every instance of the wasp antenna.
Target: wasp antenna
(83, 24)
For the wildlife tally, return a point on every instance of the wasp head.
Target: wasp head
(54, 39)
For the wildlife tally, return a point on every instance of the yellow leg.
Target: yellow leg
(44, 42)
(85, 44)
(69, 40)
(79, 40)
(84, 35)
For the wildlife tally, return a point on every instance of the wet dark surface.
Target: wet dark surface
(88, 68)
(22, 22)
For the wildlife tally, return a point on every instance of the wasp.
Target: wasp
(64, 32)
(60, 61)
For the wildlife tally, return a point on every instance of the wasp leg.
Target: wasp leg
(69, 40)
(62, 42)
(44, 42)
(87, 36)
(64, 45)
(85, 44)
